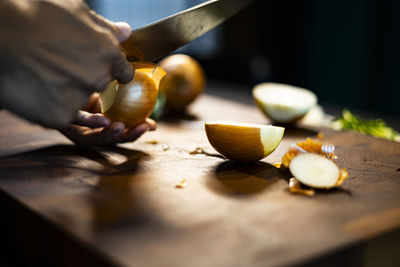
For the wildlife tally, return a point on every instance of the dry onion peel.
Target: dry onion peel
(132, 103)
(295, 188)
(185, 80)
(311, 166)
(183, 183)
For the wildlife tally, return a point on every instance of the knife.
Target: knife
(159, 38)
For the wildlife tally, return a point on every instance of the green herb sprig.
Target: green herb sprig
(374, 127)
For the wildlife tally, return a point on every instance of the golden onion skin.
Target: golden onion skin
(134, 101)
(237, 144)
(184, 81)
(154, 71)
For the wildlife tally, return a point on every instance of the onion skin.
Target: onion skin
(135, 101)
(243, 143)
(184, 81)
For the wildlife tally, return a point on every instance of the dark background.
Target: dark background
(347, 52)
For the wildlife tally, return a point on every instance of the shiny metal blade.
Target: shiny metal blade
(157, 39)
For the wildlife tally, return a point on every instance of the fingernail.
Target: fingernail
(124, 27)
(153, 127)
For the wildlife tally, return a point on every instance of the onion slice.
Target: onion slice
(315, 171)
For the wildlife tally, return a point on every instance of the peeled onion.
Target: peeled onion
(283, 103)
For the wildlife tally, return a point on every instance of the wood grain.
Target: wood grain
(122, 207)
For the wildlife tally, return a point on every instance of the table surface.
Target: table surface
(122, 205)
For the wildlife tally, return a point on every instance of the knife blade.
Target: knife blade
(159, 38)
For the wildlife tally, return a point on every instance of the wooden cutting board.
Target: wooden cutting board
(66, 205)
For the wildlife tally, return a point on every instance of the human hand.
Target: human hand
(54, 55)
(91, 128)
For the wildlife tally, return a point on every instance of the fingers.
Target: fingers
(121, 30)
(151, 123)
(113, 134)
(93, 105)
(91, 120)
(131, 134)
(85, 136)
(122, 70)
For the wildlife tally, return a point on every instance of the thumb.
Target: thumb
(121, 30)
